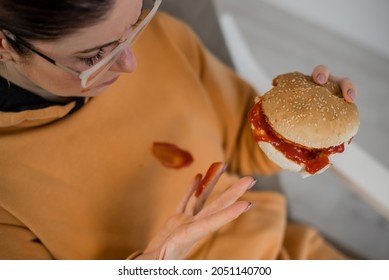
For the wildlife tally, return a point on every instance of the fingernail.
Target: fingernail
(248, 207)
(351, 94)
(252, 184)
(198, 179)
(321, 79)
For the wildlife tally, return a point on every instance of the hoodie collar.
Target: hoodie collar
(20, 108)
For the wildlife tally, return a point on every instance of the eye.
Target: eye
(90, 61)
(139, 20)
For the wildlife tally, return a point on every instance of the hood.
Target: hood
(20, 109)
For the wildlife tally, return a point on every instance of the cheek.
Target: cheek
(58, 82)
(55, 80)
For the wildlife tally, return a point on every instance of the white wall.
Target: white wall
(364, 21)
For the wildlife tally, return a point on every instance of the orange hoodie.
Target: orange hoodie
(83, 183)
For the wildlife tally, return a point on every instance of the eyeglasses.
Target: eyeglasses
(91, 75)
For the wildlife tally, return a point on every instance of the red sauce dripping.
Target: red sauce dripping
(171, 156)
(314, 159)
(209, 176)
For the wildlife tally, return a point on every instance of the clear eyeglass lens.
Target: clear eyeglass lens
(133, 36)
(101, 71)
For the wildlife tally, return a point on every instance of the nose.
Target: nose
(125, 63)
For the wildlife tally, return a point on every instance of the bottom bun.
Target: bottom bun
(278, 158)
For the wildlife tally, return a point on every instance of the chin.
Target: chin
(96, 90)
(92, 92)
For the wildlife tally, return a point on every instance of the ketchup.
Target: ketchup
(313, 159)
(171, 156)
(209, 176)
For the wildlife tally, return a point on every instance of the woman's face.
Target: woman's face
(82, 50)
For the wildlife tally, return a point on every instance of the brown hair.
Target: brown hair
(49, 19)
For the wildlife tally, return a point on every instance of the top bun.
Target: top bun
(309, 114)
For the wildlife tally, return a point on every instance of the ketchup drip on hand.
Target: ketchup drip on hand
(211, 174)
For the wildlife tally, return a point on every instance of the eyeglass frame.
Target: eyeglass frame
(105, 62)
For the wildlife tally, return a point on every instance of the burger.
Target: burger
(299, 124)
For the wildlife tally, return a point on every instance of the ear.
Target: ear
(6, 52)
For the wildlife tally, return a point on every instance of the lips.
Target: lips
(108, 83)
(86, 91)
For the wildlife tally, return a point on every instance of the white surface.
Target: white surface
(241, 56)
(366, 176)
(360, 20)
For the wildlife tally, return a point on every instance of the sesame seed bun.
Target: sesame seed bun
(309, 114)
(299, 124)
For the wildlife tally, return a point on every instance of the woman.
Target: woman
(79, 176)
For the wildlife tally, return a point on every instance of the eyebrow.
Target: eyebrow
(107, 44)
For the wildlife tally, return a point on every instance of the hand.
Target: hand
(192, 221)
(321, 75)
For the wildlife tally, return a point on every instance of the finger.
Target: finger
(205, 187)
(189, 193)
(228, 197)
(320, 74)
(209, 224)
(210, 179)
(162, 253)
(183, 239)
(349, 90)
